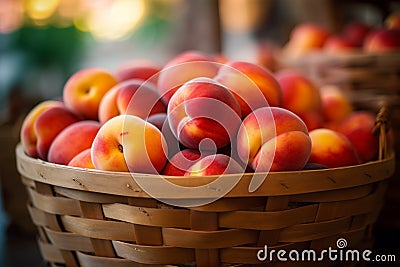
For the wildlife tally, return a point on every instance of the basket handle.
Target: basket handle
(382, 126)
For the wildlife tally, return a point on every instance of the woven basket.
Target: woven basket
(357, 72)
(369, 80)
(97, 218)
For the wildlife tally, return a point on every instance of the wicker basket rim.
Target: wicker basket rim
(276, 183)
(345, 58)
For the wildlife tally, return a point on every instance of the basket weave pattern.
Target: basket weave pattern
(94, 218)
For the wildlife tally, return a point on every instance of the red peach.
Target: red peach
(305, 37)
(252, 85)
(182, 68)
(215, 164)
(356, 32)
(72, 140)
(262, 126)
(332, 149)
(288, 151)
(27, 135)
(202, 109)
(128, 143)
(181, 162)
(313, 120)
(49, 124)
(382, 41)
(138, 69)
(139, 98)
(300, 94)
(108, 105)
(335, 104)
(358, 127)
(339, 44)
(82, 160)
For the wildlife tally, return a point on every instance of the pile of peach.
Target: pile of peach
(355, 36)
(197, 116)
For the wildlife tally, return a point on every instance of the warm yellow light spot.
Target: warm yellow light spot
(116, 20)
(242, 15)
(41, 9)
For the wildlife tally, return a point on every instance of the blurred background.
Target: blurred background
(43, 42)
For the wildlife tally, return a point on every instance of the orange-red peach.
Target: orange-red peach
(139, 98)
(72, 140)
(134, 97)
(305, 37)
(253, 86)
(382, 41)
(128, 143)
(108, 105)
(27, 135)
(49, 124)
(84, 90)
(82, 160)
(332, 149)
(264, 127)
(356, 32)
(288, 151)
(300, 93)
(358, 127)
(182, 68)
(313, 120)
(138, 69)
(181, 162)
(335, 104)
(203, 109)
(339, 44)
(215, 164)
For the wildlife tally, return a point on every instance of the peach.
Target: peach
(266, 55)
(332, 149)
(49, 124)
(252, 85)
(300, 94)
(335, 104)
(82, 160)
(305, 37)
(138, 69)
(202, 109)
(382, 41)
(108, 105)
(357, 127)
(313, 120)
(139, 98)
(356, 32)
(268, 127)
(134, 97)
(72, 140)
(339, 44)
(84, 90)
(27, 135)
(288, 151)
(215, 164)
(181, 162)
(128, 143)
(393, 20)
(182, 68)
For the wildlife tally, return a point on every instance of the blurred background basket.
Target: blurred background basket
(369, 80)
(96, 218)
